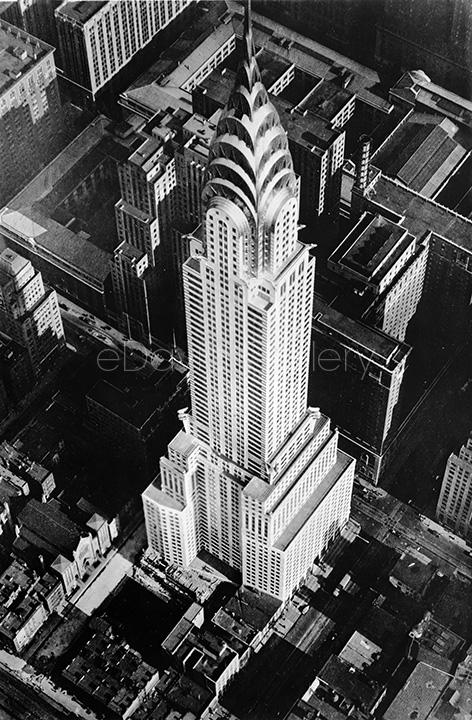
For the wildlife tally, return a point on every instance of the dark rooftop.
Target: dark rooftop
(421, 153)
(133, 399)
(80, 11)
(246, 613)
(413, 572)
(109, 670)
(372, 248)
(271, 67)
(349, 683)
(379, 346)
(307, 130)
(422, 215)
(47, 524)
(327, 100)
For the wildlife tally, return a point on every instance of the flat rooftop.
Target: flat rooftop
(53, 241)
(129, 251)
(306, 130)
(316, 498)
(372, 247)
(134, 399)
(36, 218)
(359, 651)
(218, 85)
(374, 344)
(327, 99)
(418, 696)
(177, 697)
(349, 684)
(316, 59)
(246, 613)
(108, 669)
(421, 215)
(272, 67)
(80, 11)
(158, 496)
(11, 265)
(417, 87)
(422, 153)
(19, 52)
(149, 154)
(50, 525)
(164, 79)
(413, 573)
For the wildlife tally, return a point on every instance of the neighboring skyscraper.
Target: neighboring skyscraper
(255, 478)
(454, 508)
(385, 267)
(130, 280)
(31, 123)
(356, 376)
(147, 182)
(97, 39)
(29, 312)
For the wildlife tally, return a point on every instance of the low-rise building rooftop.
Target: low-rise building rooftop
(422, 153)
(49, 528)
(412, 574)
(109, 671)
(134, 400)
(19, 53)
(421, 215)
(327, 100)
(419, 694)
(246, 614)
(342, 679)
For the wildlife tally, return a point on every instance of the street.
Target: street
(398, 525)
(20, 701)
(83, 329)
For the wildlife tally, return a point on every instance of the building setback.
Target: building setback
(385, 266)
(255, 477)
(130, 276)
(29, 312)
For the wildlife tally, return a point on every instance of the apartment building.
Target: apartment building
(31, 121)
(97, 39)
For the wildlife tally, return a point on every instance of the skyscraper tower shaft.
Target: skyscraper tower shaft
(255, 478)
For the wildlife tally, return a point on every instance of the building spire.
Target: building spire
(248, 38)
(248, 71)
(249, 161)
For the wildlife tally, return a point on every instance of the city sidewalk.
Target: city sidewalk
(17, 667)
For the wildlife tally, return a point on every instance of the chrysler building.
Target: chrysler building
(254, 477)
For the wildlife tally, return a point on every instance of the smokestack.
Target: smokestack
(362, 164)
